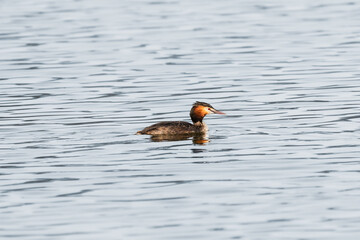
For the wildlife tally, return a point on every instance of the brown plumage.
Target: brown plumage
(197, 113)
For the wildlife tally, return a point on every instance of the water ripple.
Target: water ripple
(79, 78)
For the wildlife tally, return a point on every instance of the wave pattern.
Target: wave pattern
(79, 78)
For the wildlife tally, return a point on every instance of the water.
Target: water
(79, 78)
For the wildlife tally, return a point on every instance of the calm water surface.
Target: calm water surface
(79, 78)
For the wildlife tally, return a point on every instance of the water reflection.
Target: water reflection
(199, 139)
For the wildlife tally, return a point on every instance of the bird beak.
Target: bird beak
(216, 111)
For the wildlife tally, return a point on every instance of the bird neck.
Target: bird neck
(199, 124)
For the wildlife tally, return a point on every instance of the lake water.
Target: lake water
(79, 78)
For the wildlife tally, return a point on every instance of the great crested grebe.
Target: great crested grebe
(197, 113)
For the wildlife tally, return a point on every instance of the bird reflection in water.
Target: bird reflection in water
(199, 139)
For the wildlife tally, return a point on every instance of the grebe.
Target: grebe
(197, 113)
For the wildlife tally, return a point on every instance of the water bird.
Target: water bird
(197, 113)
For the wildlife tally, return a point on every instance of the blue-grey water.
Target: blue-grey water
(79, 78)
